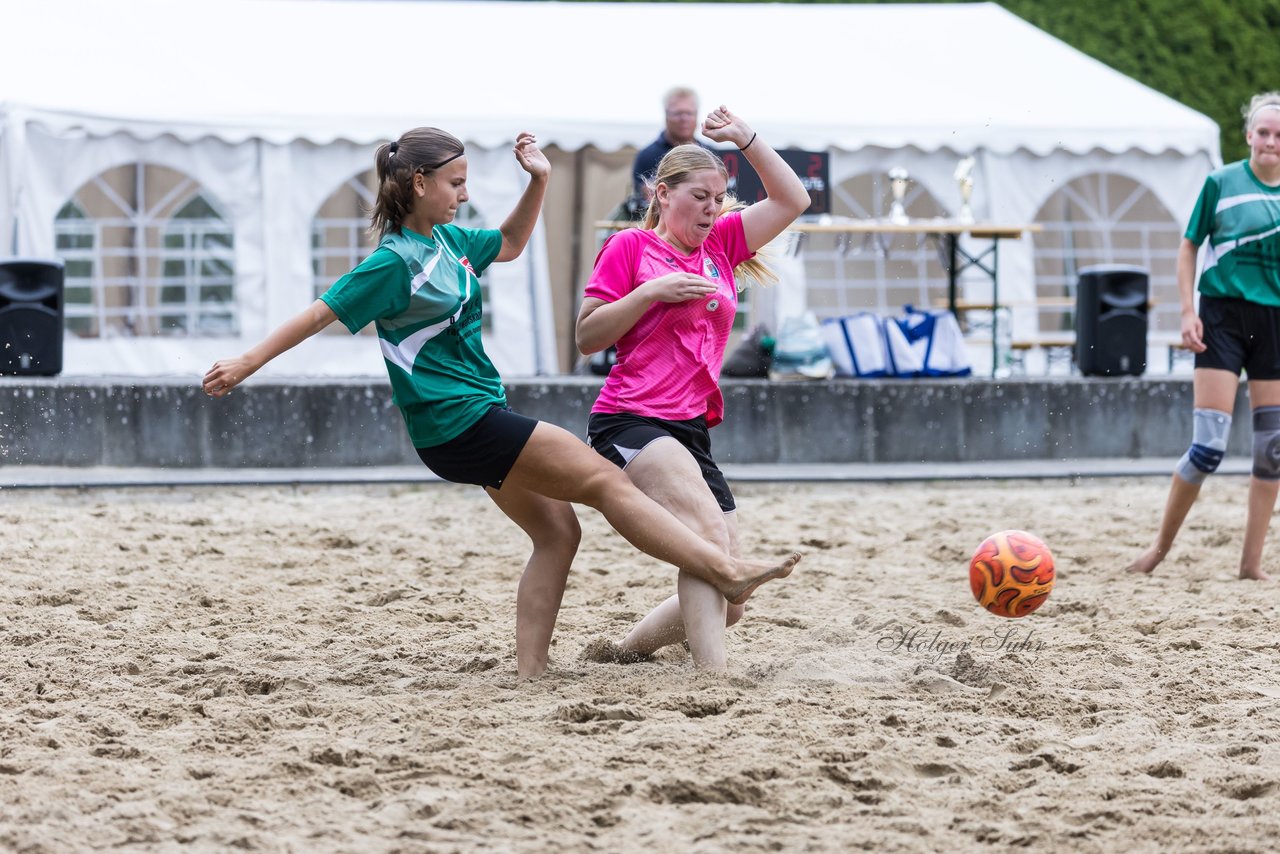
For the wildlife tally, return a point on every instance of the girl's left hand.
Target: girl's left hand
(531, 158)
(721, 125)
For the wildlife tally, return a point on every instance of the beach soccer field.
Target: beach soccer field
(332, 668)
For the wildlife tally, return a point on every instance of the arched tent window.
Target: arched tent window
(197, 292)
(148, 253)
(73, 238)
(879, 273)
(1105, 218)
(340, 236)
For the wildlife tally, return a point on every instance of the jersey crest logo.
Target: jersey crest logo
(709, 269)
(467, 264)
(713, 305)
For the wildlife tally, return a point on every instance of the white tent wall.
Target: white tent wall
(1010, 188)
(270, 194)
(11, 149)
(7, 237)
(1022, 182)
(279, 124)
(58, 164)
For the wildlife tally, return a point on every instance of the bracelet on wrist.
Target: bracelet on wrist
(748, 145)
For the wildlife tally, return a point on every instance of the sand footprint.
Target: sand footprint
(581, 713)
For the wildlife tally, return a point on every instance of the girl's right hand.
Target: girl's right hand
(1193, 333)
(678, 287)
(226, 374)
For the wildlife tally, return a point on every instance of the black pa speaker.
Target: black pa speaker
(1111, 320)
(30, 316)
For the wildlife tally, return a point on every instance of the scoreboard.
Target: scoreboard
(811, 166)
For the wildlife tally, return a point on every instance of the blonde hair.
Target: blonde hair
(678, 92)
(1261, 101)
(419, 150)
(679, 165)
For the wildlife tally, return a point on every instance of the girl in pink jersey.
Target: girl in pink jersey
(666, 295)
(530, 469)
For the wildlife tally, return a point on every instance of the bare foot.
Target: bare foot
(1146, 561)
(605, 651)
(1255, 574)
(741, 592)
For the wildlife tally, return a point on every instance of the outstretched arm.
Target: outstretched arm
(519, 224)
(226, 374)
(787, 197)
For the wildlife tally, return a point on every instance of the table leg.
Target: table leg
(995, 304)
(951, 271)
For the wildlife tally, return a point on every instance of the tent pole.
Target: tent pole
(575, 249)
(531, 281)
(17, 199)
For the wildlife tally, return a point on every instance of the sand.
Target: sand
(298, 669)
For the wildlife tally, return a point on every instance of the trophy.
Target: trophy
(964, 176)
(898, 183)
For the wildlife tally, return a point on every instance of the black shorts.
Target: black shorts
(485, 452)
(620, 436)
(1240, 335)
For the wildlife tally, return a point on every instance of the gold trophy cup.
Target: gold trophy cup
(964, 177)
(899, 180)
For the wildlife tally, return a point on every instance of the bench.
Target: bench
(1177, 350)
(1059, 349)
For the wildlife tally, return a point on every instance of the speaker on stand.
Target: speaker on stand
(31, 316)
(1111, 320)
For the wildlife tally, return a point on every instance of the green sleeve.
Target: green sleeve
(1201, 224)
(478, 245)
(377, 287)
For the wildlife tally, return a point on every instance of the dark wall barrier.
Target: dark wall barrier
(302, 423)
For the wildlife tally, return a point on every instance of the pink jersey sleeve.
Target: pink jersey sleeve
(614, 275)
(733, 239)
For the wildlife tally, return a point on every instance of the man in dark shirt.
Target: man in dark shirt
(682, 120)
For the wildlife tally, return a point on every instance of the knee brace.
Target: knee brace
(1266, 443)
(1209, 433)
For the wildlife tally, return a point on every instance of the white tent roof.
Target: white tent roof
(960, 77)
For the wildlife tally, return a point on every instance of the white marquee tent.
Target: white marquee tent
(269, 105)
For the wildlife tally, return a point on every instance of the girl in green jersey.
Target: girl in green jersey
(1237, 328)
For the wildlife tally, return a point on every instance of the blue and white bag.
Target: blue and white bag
(917, 344)
(857, 345)
(927, 344)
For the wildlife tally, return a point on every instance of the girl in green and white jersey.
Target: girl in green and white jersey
(1237, 329)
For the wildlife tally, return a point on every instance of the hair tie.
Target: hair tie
(748, 145)
(391, 149)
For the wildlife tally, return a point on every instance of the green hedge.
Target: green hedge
(1208, 54)
(1211, 55)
